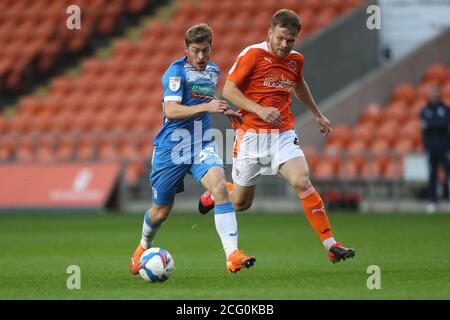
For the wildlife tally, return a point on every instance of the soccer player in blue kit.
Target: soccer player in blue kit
(184, 145)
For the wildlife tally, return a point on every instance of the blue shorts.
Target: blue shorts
(167, 176)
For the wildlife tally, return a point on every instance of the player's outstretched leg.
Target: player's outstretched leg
(206, 202)
(149, 231)
(225, 219)
(295, 172)
(226, 226)
(317, 217)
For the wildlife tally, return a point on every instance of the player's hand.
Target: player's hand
(270, 115)
(217, 106)
(234, 116)
(325, 125)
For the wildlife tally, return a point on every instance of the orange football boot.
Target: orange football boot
(134, 263)
(238, 260)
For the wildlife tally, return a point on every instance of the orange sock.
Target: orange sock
(315, 213)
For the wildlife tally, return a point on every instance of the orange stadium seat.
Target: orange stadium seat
(357, 146)
(324, 171)
(436, 73)
(127, 149)
(403, 146)
(337, 5)
(253, 6)
(60, 85)
(19, 124)
(40, 124)
(334, 146)
(145, 146)
(61, 122)
(103, 121)
(45, 149)
(135, 6)
(417, 107)
(106, 148)
(396, 111)
(350, 169)
(411, 131)
(86, 147)
(25, 149)
(7, 143)
(313, 5)
(445, 90)
(350, 4)
(363, 132)
(52, 106)
(324, 18)
(29, 105)
(133, 171)
(404, 92)
(65, 147)
(3, 125)
(341, 133)
(373, 112)
(311, 156)
(393, 169)
(424, 88)
(380, 146)
(374, 167)
(387, 131)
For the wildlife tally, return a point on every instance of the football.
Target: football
(157, 265)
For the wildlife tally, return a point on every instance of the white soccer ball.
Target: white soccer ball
(156, 265)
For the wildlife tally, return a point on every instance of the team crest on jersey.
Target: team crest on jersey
(174, 83)
(292, 65)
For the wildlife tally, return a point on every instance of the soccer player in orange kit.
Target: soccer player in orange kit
(260, 84)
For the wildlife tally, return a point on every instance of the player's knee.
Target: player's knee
(242, 205)
(160, 214)
(302, 183)
(220, 192)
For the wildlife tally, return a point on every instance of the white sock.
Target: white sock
(327, 243)
(148, 231)
(226, 226)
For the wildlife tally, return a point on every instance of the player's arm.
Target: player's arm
(173, 83)
(303, 93)
(175, 110)
(232, 93)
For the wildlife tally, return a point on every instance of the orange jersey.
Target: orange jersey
(267, 80)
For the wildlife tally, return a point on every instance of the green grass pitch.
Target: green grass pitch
(412, 252)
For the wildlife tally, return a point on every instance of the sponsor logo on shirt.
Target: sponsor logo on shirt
(202, 91)
(274, 82)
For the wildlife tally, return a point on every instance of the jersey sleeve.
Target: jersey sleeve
(242, 68)
(173, 84)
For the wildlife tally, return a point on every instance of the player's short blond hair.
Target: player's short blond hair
(288, 19)
(198, 33)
